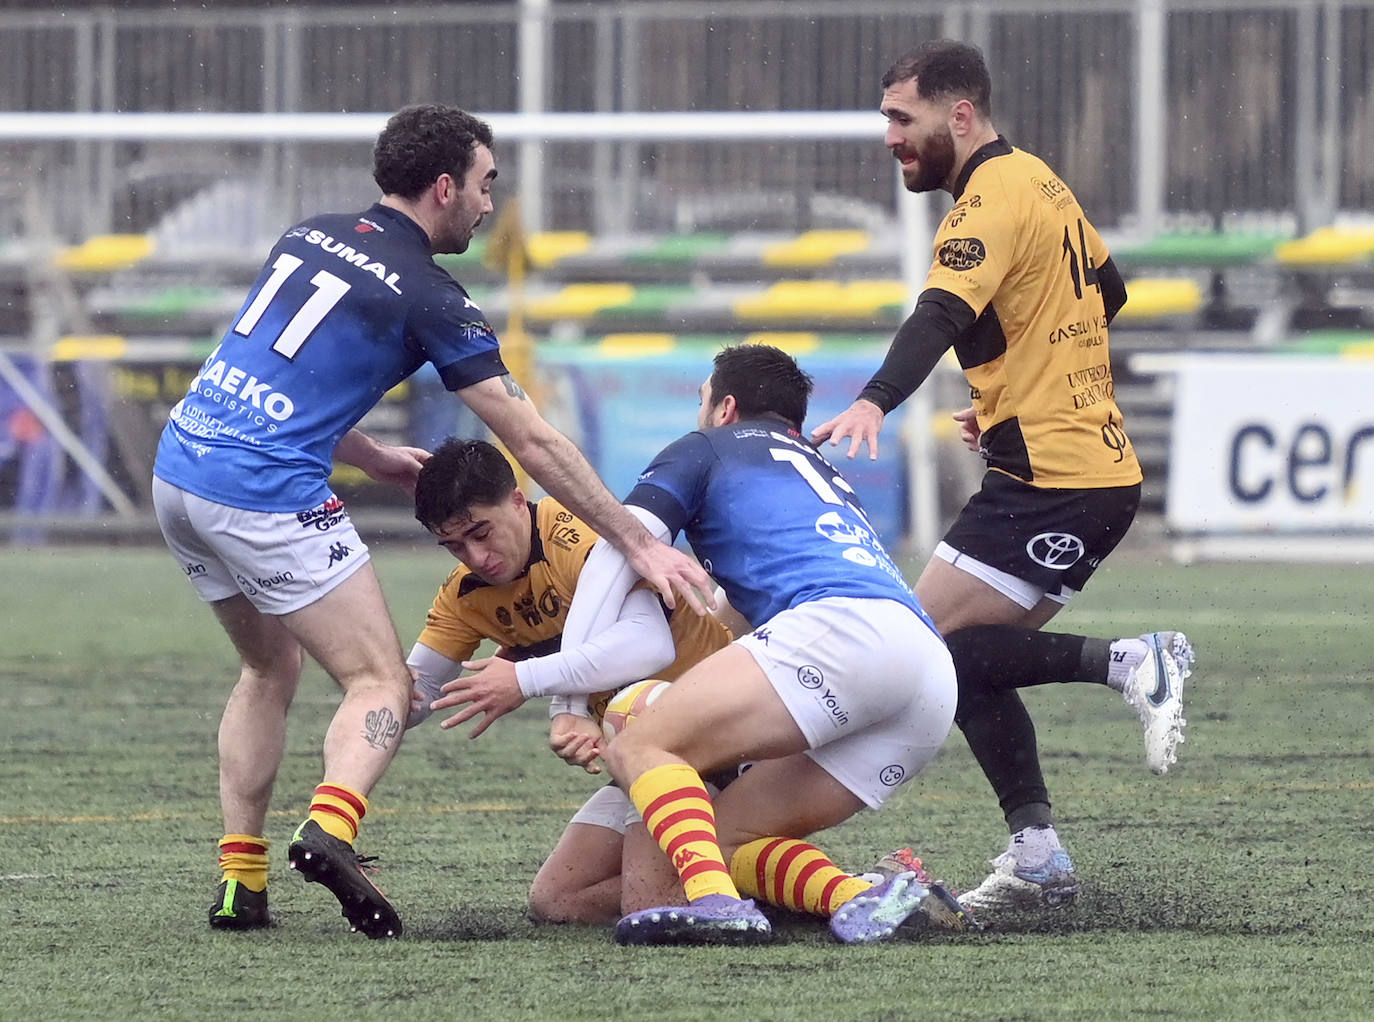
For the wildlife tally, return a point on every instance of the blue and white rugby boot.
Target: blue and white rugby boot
(1029, 876)
(900, 903)
(712, 919)
(1155, 691)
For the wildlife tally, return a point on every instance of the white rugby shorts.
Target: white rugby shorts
(280, 561)
(869, 684)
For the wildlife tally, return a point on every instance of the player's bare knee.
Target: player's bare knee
(629, 755)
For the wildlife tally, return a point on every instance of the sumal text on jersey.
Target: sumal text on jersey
(349, 254)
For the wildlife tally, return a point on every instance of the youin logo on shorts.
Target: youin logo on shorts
(1056, 550)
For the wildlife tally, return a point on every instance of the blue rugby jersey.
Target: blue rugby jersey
(346, 307)
(770, 518)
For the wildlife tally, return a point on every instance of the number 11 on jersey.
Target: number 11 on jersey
(328, 290)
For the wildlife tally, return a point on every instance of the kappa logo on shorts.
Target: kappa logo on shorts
(810, 676)
(1056, 550)
(892, 775)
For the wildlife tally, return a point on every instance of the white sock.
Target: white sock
(1126, 656)
(1034, 844)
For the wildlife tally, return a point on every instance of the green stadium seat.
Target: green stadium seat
(1200, 249)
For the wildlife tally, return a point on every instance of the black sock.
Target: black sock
(999, 657)
(1001, 736)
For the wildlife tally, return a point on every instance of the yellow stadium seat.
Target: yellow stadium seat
(815, 248)
(1159, 297)
(95, 347)
(105, 253)
(551, 246)
(788, 299)
(1328, 246)
(630, 345)
(580, 301)
(792, 342)
(822, 299)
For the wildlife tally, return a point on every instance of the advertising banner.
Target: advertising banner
(1272, 444)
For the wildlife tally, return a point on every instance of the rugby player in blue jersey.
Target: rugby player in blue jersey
(346, 306)
(841, 691)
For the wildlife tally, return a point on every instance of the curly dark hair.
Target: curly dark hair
(459, 475)
(945, 68)
(421, 142)
(764, 381)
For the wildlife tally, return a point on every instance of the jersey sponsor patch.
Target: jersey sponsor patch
(962, 254)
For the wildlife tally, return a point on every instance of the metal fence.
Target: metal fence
(1154, 110)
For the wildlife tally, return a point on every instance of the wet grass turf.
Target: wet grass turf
(1235, 887)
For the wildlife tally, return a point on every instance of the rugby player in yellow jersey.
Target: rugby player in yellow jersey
(522, 562)
(1023, 288)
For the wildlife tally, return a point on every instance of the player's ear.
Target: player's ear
(962, 117)
(518, 499)
(729, 410)
(443, 189)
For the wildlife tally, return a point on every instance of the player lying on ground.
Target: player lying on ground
(842, 693)
(523, 563)
(615, 845)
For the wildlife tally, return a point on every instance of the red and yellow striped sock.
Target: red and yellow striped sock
(338, 810)
(793, 874)
(243, 857)
(678, 812)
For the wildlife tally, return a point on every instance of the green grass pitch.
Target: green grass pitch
(1237, 886)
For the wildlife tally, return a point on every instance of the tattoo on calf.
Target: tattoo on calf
(380, 727)
(512, 388)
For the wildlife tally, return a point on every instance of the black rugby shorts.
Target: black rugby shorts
(1052, 538)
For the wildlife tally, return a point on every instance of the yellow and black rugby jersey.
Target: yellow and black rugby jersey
(526, 615)
(1019, 250)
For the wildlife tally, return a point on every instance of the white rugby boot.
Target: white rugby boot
(1155, 691)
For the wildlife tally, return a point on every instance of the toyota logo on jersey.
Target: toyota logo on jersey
(1057, 550)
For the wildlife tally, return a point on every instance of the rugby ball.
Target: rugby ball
(629, 703)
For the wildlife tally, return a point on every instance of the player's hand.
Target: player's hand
(492, 689)
(861, 422)
(668, 569)
(969, 432)
(399, 466)
(577, 741)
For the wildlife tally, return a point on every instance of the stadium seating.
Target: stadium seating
(164, 297)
